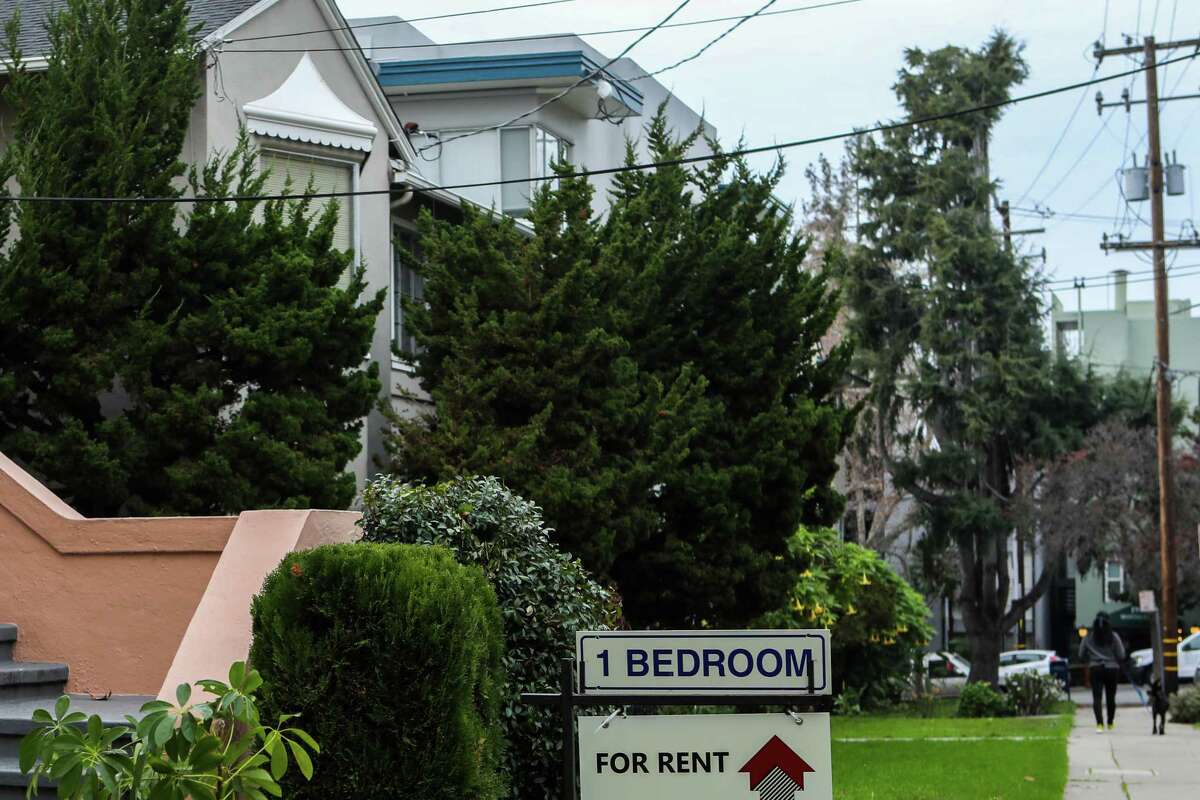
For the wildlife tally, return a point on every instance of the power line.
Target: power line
(397, 21)
(542, 36)
(1170, 36)
(1070, 120)
(1105, 284)
(711, 43)
(564, 92)
(1050, 157)
(682, 161)
(1091, 143)
(1071, 216)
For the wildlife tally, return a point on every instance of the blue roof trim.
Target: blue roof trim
(519, 66)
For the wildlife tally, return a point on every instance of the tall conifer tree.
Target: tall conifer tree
(106, 117)
(948, 324)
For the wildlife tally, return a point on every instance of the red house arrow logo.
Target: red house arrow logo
(776, 771)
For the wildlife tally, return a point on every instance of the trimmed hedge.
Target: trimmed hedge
(544, 594)
(393, 656)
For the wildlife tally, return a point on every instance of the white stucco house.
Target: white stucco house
(315, 111)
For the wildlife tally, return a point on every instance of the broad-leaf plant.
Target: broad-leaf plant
(210, 749)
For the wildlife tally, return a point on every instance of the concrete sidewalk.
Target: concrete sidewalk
(1127, 696)
(1129, 763)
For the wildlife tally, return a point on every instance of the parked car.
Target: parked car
(1188, 658)
(1042, 662)
(947, 672)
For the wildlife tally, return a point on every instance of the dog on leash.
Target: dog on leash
(1158, 708)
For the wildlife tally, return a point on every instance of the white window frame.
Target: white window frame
(355, 166)
(498, 153)
(1120, 580)
(398, 362)
(564, 144)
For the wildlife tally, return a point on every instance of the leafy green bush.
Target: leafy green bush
(878, 623)
(186, 751)
(1185, 706)
(545, 596)
(1032, 694)
(979, 699)
(393, 655)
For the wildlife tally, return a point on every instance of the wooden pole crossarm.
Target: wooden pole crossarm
(1126, 104)
(1170, 244)
(1134, 49)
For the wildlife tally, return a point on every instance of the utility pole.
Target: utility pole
(1006, 220)
(1158, 245)
(1166, 482)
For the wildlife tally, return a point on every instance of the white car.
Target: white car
(946, 672)
(1188, 658)
(1041, 662)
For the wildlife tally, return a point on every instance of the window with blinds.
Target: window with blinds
(406, 284)
(326, 176)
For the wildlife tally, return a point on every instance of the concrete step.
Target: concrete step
(16, 720)
(21, 680)
(16, 717)
(13, 783)
(8, 638)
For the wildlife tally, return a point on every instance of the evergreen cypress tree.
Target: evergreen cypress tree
(654, 381)
(950, 322)
(719, 283)
(152, 364)
(527, 361)
(106, 117)
(251, 392)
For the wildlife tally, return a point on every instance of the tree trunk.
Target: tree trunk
(985, 654)
(983, 597)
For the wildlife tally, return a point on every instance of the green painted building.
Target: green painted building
(1122, 338)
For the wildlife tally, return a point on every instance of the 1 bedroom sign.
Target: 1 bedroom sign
(706, 757)
(703, 662)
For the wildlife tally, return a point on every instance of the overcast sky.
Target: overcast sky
(827, 70)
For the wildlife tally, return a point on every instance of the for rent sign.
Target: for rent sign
(703, 662)
(714, 756)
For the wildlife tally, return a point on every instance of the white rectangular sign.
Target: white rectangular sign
(703, 662)
(706, 757)
(1146, 601)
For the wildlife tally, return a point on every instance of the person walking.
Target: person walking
(1104, 652)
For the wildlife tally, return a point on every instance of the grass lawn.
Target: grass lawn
(945, 757)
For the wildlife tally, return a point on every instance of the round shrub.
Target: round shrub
(979, 699)
(1185, 706)
(393, 656)
(545, 596)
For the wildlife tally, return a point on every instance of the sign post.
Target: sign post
(785, 668)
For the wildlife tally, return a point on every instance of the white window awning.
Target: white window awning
(305, 109)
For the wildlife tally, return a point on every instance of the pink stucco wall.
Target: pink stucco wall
(117, 599)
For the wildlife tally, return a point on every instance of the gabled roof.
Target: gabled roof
(305, 109)
(209, 14)
(218, 18)
(449, 73)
